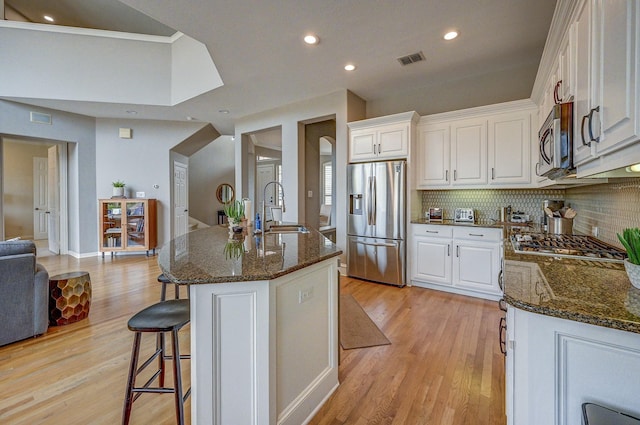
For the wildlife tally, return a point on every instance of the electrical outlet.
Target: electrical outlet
(594, 231)
(305, 295)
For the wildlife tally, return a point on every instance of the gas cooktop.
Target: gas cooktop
(568, 246)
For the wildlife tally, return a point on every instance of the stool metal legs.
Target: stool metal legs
(133, 392)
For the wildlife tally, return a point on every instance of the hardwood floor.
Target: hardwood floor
(443, 366)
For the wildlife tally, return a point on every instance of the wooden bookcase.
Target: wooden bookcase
(127, 225)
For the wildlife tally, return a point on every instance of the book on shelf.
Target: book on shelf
(113, 230)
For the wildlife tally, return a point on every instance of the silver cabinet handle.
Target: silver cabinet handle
(502, 304)
(432, 231)
(379, 148)
(502, 327)
(455, 175)
(584, 143)
(374, 149)
(537, 168)
(457, 250)
(476, 234)
(493, 174)
(501, 280)
(446, 175)
(591, 138)
(448, 250)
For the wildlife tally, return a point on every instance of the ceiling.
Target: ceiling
(258, 50)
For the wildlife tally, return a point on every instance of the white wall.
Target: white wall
(209, 167)
(289, 118)
(141, 162)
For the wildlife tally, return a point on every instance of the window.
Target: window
(327, 178)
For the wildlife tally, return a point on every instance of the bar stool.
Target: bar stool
(165, 316)
(165, 281)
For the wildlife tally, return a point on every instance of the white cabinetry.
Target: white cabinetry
(605, 48)
(469, 152)
(491, 149)
(464, 260)
(432, 253)
(381, 138)
(509, 149)
(554, 365)
(476, 265)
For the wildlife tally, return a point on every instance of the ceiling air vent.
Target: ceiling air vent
(412, 58)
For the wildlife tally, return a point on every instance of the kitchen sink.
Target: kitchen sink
(287, 228)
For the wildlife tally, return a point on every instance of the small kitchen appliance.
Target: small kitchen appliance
(555, 143)
(464, 215)
(435, 215)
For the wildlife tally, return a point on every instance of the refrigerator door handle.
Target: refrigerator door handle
(374, 201)
(390, 245)
(369, 200)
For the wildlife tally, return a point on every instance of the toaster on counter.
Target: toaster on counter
(464, 215)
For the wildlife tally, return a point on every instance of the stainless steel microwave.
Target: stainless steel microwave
(555, 143)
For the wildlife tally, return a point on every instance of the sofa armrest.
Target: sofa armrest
(17, 247)
(41, 300)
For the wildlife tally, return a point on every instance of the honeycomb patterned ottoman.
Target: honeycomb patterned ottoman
(69, 298)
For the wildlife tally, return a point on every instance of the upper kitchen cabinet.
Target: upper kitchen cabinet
(510, 148)
(604, 45)
(487, 147)
(381, 138)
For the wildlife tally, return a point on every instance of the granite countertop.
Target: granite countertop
(211, 255)
(594, 292)
(479, 223)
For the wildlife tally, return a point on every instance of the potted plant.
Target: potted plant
(118, 189)
(630, 239)
(235, 213)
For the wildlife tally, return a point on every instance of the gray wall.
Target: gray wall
(80, 133)
(209, 167)
(141, 162)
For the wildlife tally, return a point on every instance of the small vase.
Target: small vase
(118, 192)
(633, 271)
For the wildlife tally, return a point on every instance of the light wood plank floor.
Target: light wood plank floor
(443, 366)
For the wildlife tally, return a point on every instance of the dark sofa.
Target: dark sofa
(24, 292)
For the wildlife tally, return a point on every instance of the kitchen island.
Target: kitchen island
(264, 323)
(572, 336)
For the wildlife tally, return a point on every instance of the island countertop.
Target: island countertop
(212, 255)
(594, 292)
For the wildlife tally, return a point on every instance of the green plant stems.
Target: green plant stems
(630, 239)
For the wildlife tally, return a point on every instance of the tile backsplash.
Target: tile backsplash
(611, 207)
(487, 202)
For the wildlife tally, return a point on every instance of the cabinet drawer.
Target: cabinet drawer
(478, 233)
(432, 230)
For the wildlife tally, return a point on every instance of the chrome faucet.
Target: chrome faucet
(264, 204)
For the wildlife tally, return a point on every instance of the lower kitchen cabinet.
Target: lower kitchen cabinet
(464, 260)
(554, 365)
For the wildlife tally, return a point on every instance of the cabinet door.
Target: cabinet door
(583, 152)
(615, 73)
(136, 228)
(433, 156)
(361, 145)
(476, 266)
(112, 224)
(469, 152)
(393, 141)
(509, 148)
(432, 260)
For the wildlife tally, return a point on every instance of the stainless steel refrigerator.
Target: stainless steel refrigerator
(376, 228)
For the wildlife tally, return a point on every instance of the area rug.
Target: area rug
(357, 330)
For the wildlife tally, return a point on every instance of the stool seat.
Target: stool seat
(161, 317)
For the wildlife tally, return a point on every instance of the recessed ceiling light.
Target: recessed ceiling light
(223, 111)
(311, 39)
(131, 112)
(349, 67)
(48, 18)
(450, 35)
(190, 118)
(633, 169)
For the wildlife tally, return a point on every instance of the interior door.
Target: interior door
(264, 174)
(40, 186)
(53, 199)
(180, 202)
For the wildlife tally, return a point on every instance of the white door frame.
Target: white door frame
(40, 198)
(176, 208)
